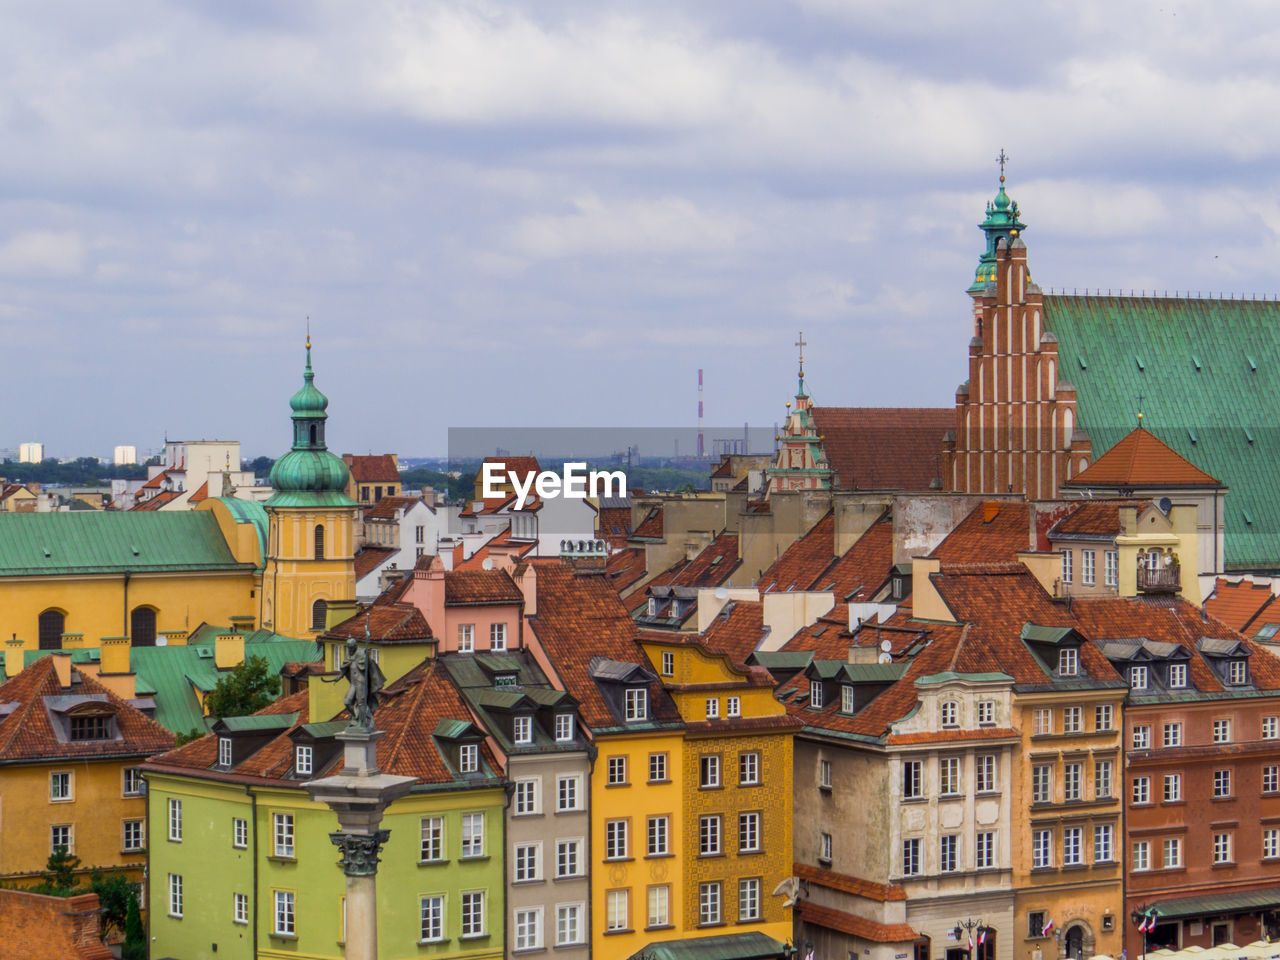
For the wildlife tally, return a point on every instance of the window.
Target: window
(824, 774)
(1111, 559)
(527, 796)
(569, 923)
(1141, 855)
(709, 771)
(239, 833)
(302, 760)
(319, 614)
(1073, 720)
(709, 903)
(1270, 843)
(1042, 848)
(985, 854)
(668, 662)
(733, 706)
(60, 835)
(1270, 778)
(319, 541)
(1271, 728)
(240, 908)
(1222, 783)
(1172, 787)
(748, 833)
(529, 928)
(1173, 852)
(748, 769)
(1177, 675)
(1141, 737)
(1086, 567)
(523, 730)
(175, 820)
(1138, 678)
(224, 751)
(637, 704)
(473, 834)
(134, 836)
(1069, 663)
(1103, 842)
(1237, 672)
(432, 847)
(526, 867)
(473, 913)
(1041, 721)
(815, 693)
(1035, 924)
(950, 711)
(498, 637)
(1222, 848)
(567, 793)
(713, 707)
(469, 757)
(1071, 775)
(657, 767)
(568, 858)
(1072, 846)
(564, 727)
(912, 787)
(175, 895)
(985, 774)
(615, 839)
(1104, 717)
(466, 637)
(949, 776)
(49, 627)
(134, 785)
(986, 712)
(284, 913)
(749, 898)
(60, 785)
(419, 534)
(1066, 566)
(617, 908)
(91, 728)
(846, 698)
(826, 845)
(282, 832)
(1042, 783)
(1172, 735)
(1222, 731)
(659, 836)
(911, 857)
(617, 770)
(431, 914)
(1101, 779)
(948, 850)
(708, 836)
(1141, 789)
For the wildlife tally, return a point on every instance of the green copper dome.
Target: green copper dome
(309, 475)
(1002, 221)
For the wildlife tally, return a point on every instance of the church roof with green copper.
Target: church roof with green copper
(1204, 374)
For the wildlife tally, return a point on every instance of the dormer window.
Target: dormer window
(224, 751)
(896, 589)
(713, 708)
(637, 704)
(1237, 672)
(815, 693)
(523, 730)
(505, 680)
(302, 760)
(93, 727)
(846, 698)
(1068, 662)
(653, 607)
(564, 727)
(469, 757)
(1177, 675)
(986, 712)
(950, 713)
(1138, 678)
(668, 662)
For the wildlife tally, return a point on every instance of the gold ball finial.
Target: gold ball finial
(1139, 416)
(788, 404)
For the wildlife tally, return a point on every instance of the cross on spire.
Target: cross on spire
(1002, 160)
(801, 343)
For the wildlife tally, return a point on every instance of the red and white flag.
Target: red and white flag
(971, 943)
(1047, 927)
(982, 936)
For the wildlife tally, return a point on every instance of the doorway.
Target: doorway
(1075, 943)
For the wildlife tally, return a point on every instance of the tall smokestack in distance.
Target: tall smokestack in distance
(699, 413)
(746, 437)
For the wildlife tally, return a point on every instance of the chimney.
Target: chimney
(13, 657)
(62, 666)
(527, 580)
(228, 650)
(113, 653)
(989, 510)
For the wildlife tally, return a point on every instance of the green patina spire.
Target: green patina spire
(1002, 221)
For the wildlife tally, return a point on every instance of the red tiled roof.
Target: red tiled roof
(737, 630)
(28, 732)
(832, 919)
(651, 526)
(385, 622)
(625, 567)
(158, 501)
(953, 736)
(502, 542)
(154, 482)
(867, 889)
(1238, 604)
(884, 448)
(520, 466)
(201, 494)
(468, 587)
(371, 558)
(1100, 518)
(711, 567)
(610, 517)
(810, 563)
(1141, 459)
(377, 468)
(385, 509)
(490, 504)
(994, 532)
(724, 469)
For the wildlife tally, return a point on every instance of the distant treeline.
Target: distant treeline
(82, 472)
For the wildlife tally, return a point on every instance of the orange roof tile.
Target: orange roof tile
(385, 509)
(810, 563)
(737, 630)
(385, 622)
(994, 532)
(1141, 459)
(625, 567)
(613, 525)
(369, 559)
(202, 493)
(860, 927)
(479, 587)
(867, 889)
(376, 468)
(884, 448)
(1238, 604)
(650, 528)
(1100, 518)
(520, 466)
(502, 545)
(158, 501)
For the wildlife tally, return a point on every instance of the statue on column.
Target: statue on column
(364, 680)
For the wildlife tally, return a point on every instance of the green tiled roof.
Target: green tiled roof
(1207, 372)
(269, 721)
(112, 542)
(1225, 902)
(249, 511)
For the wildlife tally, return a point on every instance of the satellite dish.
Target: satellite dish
(722, 593)
(886, 645)
(488, 563)
(884, 658)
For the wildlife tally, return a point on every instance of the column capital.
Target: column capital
(359, 851)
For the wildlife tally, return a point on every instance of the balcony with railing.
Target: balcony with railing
(1162, 579)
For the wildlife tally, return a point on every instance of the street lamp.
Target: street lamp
(969, 925)
(1145, 918)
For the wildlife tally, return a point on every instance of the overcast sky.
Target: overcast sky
(554, 213)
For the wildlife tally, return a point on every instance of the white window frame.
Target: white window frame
(224, 751)
(986, 713)
(431, 840)
(713, 708)
(526, 802)
(1072, 781)
(657, 765)
(61, 786)
(431, 918)
(1177, 675)
(1073, 719)
(466, 637)
(136, 842)
(1104, 717)
(1171, 734)
(1222, 848)
(1172, 788)
(1068, 662)
(569, 923)
(748, 899)
(569, 857)
(527, 862)
(658, 903)
(1104, 843)
(658, 835)
(564, 727)
(1141, 790)
(498, 637)
(1141, 859)
(522, 730)
(1172, 853)
(985, 850)
(304, 756)
(134, 784)
(568, 792)
(240, 908)
(473, 910)
(528, 928)
(750, 824)
(175, 895)
(949, 778)
(637, 704)
(283, 839)
(748, 768)
(1066, 566)
(616, 846)
(910, 857)
(1111, 562)
(709, 835)
(468, 757)
(985, 772)
(1041, 849)
(1141, 737)
(733, 706)
(710, 903)
(1087, 567)
(1138, 677)
(948, 853)
(175, 820)
(1222, 730)
(473, 830)
(949, 713)
(284, 920)
(1103, 779)
(1072, 846)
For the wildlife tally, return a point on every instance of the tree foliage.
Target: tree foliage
(135, 938)
(62, 867)
(246, 689)
(115, 892)
(195, 733)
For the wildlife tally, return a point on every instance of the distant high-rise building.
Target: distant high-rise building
(125, 455)
(31, 453)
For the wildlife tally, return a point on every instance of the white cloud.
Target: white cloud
(43, 253)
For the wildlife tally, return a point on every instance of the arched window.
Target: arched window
(318, 614)
(52, 626)
(142, 627)
(319, 541)
(315, 433)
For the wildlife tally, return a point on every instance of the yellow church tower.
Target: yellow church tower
(310, 545)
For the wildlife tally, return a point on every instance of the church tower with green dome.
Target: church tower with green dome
(311, 540)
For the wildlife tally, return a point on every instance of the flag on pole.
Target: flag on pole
(1047, 927)
(809, 955)
(971, 942)
(982, 936)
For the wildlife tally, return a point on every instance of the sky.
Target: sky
(554, 213)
